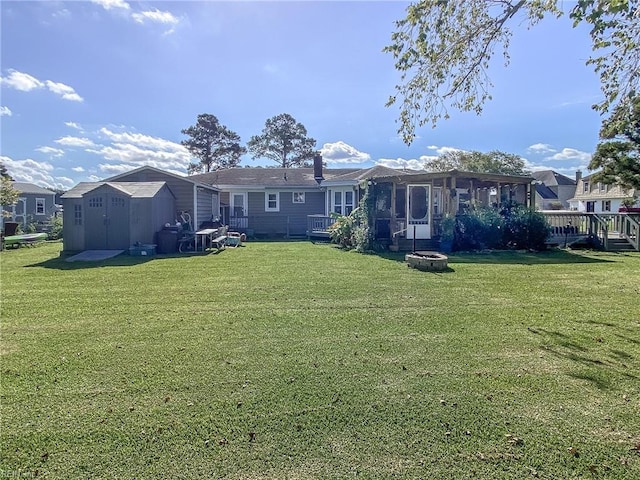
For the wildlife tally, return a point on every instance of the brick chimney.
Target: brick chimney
(317, 168)
(578, 175)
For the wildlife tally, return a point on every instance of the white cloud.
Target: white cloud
(340, 152)
(25, 83)
(65, 91)
(111, 169)
(156, 16)
(542, 148)
(571, 154)
(70, 141)
(5, 111)
(53, 152)
(142, 140)
(38, 173)
(112, 4)
(135, 155)
(73, 125)
(401, 163)
(443, 150)
(78, 169)
(21, 81)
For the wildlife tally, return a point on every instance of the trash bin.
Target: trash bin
(168, 239)
(10, 228)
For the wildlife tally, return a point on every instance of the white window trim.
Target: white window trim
(300, 195)
(245, 199)
(266, 202)
(44, 206)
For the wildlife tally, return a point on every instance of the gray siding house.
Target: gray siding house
(35, 205)
(115, 215)
(278, 201)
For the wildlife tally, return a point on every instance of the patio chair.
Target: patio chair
(234, 239)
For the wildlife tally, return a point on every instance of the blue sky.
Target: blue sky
(94, 88)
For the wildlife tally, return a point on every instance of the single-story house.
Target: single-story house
(115, 215)
(553, 190)
(298, 201)
(278, 201)
(598, 197)
(35, 205)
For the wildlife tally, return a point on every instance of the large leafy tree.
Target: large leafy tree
(283, 140)
(8, 194)
(213, 144)
(443, 49)
(490, 162)
(618, 155)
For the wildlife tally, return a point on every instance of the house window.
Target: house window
(603, 187)
(606, 205)
(77, 214)
(585, 187)
(348, 202)
(272, 202)
(298, 197)
(337, 202)
(39, 206)
(342, 201)
(591, 206)
(95, 202)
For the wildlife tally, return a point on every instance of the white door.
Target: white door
(418, 211)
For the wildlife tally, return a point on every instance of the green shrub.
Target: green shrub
(525, 228)
(55, 233)
(479, 229)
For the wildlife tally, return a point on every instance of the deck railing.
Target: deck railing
(318, 225)
(628, 225)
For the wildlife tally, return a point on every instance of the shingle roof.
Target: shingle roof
(272, 177)
(30, 188)
(552, 179)
(132, 189)
(545, 192)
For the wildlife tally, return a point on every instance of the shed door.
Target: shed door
(107, 221)
(418, 211)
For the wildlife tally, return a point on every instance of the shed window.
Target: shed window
(298, 197)
(95, 202)
(77, 214)
(39, 206)
(272, 202)
(117, 202)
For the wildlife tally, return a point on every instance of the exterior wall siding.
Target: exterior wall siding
(73, 235)
(30, 214)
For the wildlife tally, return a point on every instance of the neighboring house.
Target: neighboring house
(278, 201)
(597, 197)
(115, 215)
(199, 200)
(553, 190)
(35, 205)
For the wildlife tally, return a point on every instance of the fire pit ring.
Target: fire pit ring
(427, 261)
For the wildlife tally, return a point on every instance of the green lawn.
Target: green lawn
(302, 361)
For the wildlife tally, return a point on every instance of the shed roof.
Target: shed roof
(30, 188)
(131, 189)
(190, 178)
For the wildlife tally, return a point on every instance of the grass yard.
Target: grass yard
(302, 361)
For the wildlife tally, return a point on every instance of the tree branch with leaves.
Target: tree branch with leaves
(443, 50)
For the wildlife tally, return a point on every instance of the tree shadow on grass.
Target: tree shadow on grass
(552, 257)
(593, 365)
(122, 260)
